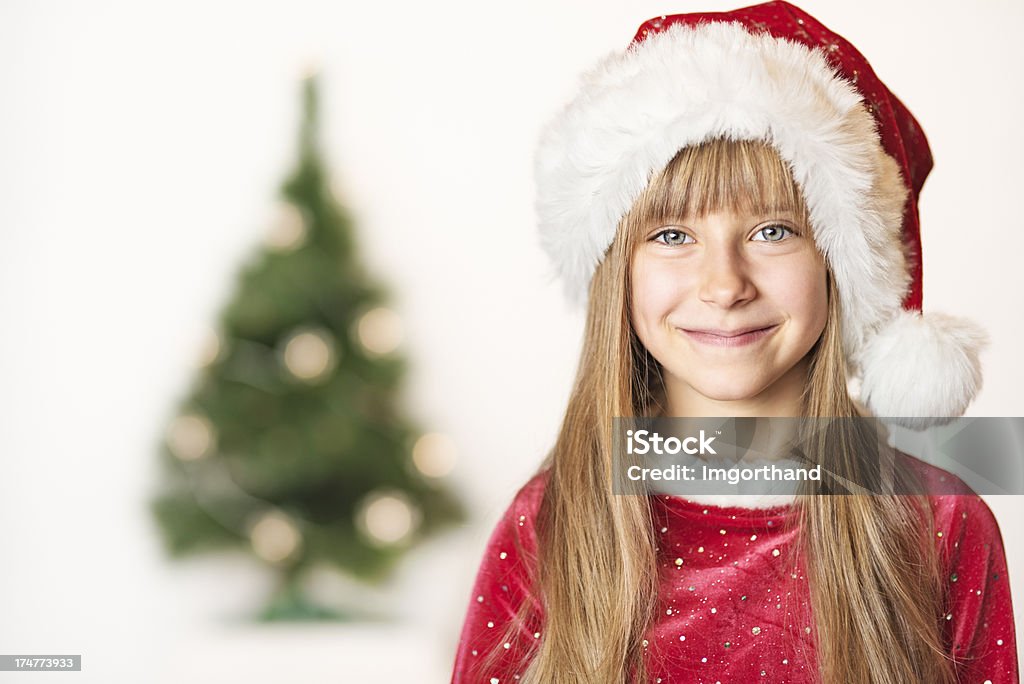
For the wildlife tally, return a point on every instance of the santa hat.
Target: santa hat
(771, 72)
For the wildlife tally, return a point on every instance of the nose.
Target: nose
(725, 281)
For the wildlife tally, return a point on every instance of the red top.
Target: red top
(733, 601)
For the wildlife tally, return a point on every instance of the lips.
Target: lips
(727, 333)
(730, 338)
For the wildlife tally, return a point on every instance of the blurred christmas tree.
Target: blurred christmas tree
(292, 444)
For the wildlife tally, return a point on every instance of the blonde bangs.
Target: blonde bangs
(742, 176)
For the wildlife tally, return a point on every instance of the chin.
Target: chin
(726, 388)
(731, 394)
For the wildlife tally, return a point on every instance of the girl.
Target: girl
(736, 199)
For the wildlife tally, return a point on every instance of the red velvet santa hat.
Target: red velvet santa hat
(771, 72)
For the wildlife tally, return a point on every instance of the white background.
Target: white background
(141, 149)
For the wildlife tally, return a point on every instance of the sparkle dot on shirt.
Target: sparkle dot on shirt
(999, 642)
(743, 598)
(703, 660)
(978, 592)
(763, 673)
(536, 635)
(954, 577)
(507, 645)
(490, 624)
(988, 681)
(690, 588)
(474, 651)
(755, 630)
(705, 511)
(645, 643)
(664, 529)
(775, 552)
(668, 612)
(753, 537)
(785, 661)
(480, 599)
(727, 644)
(721, 531)
(679, 561)
(682, 637)
(949, 616)
(807, 630)
(495, 680)
(502, 555)
(938, 534)
(700, 549)
(714, 610)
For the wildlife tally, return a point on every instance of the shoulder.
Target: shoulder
(961, 517)
(528, 497)
(514, 537)
(525, 502)
(504, 585)
(978, 625)
(933, 480)
(508, 569)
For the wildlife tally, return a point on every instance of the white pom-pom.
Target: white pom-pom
(922, 369)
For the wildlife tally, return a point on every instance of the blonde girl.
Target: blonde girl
(735, 199)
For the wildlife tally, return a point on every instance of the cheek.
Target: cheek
(802, 289)
(655, 291)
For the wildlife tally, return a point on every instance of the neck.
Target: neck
(783, 399)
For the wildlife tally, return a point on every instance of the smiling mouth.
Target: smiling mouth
(739, 338)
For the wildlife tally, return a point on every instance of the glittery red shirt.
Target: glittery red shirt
(733, 602)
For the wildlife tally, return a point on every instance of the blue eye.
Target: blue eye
(774, 233)
(673, 237)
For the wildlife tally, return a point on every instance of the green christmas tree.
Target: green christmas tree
(291, 444)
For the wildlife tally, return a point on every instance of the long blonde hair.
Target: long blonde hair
(873, 570)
